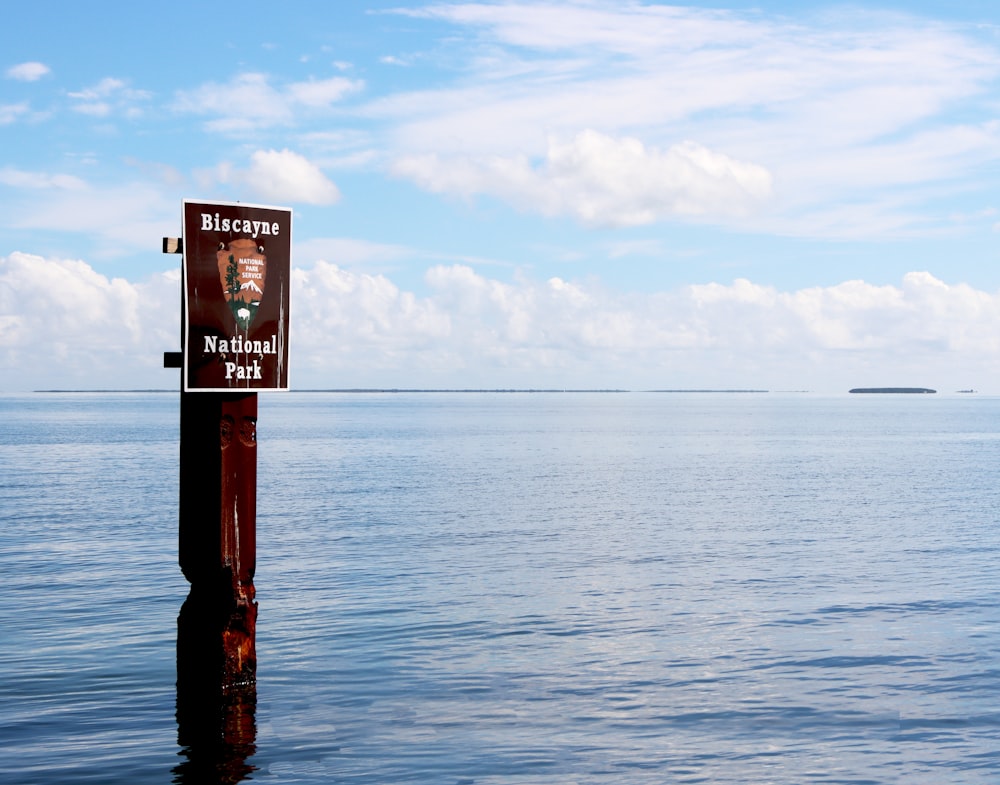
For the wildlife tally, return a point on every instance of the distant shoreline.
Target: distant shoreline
(709, 391)
(893, 390)
(387, 390)
(395, 390)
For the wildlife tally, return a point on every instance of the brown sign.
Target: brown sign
(237, 269)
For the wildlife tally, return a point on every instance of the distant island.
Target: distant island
(892, 390)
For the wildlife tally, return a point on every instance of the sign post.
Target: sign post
(236, 276)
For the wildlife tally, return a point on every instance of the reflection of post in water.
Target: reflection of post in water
(216, 654)
(216, 727)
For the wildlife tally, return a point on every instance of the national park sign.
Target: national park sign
(237, 266)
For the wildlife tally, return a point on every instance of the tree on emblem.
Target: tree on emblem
(232, 278)
(233, 288)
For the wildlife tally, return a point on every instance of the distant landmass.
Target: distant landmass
(892, 390)
(106, 391)
(709, 391)
(365, 390)
(452, 390)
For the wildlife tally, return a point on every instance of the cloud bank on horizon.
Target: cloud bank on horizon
(67, 327)
(513, 194)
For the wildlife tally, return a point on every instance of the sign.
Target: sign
(237, 269)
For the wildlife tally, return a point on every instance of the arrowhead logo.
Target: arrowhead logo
(242, 272)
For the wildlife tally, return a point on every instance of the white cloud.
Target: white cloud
(359, 312)
(348, 251)
(107, 96)
(472, 330)
(605, 181)
(64, 324)
(102, 89)
(876, 110)
(650, 248)
(625, 28)
(249, 102)
(17, 178)
(282, 176)
(119, 219)
(28, 72)
(323, 92)
(10, 113)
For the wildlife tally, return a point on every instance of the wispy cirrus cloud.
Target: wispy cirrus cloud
(863, 108)
(250, 102)
(107, 96)
(10, 113)
(349, 251)
(19, 178)
(117, 219)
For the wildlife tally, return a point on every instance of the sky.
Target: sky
(564, 195)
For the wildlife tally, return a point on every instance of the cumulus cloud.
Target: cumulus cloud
(282, 176)
(473, 330)
(28, 72)
(358, 312)
(65, 324)
(603, 180)
(249, 102)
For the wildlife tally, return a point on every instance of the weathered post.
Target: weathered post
(236, 275)
(218, 533)
(216, 628)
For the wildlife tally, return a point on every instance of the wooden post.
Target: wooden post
(218, 538)
(216, 651)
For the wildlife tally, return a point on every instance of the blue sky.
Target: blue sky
(560, 194)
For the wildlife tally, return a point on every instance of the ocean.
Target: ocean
(521, 588)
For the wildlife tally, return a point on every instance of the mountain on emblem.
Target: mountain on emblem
(242, 272)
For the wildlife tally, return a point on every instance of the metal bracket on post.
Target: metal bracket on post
(173, 359)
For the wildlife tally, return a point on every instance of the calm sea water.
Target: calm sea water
(523, 588)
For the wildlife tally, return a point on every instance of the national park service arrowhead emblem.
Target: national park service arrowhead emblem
(242, 273)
